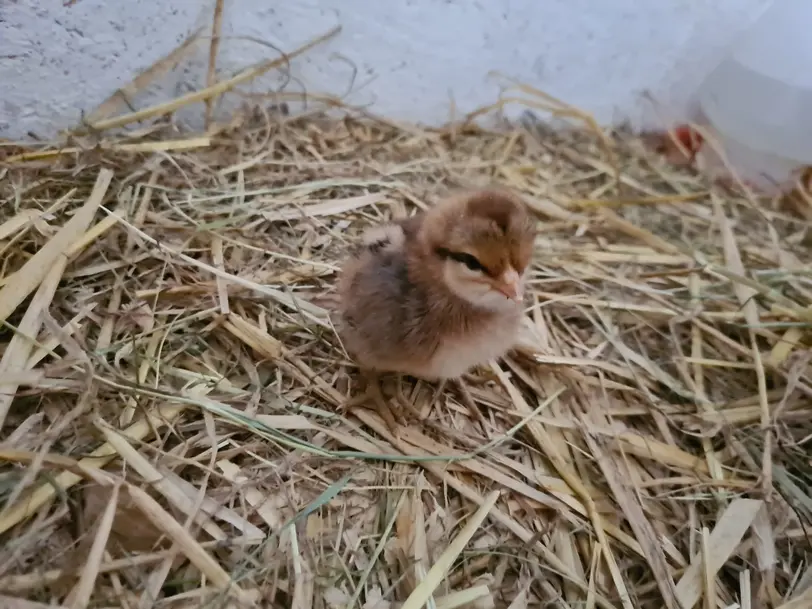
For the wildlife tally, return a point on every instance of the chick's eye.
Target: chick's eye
(471, 262)
(468, 260)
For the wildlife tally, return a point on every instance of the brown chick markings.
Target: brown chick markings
(441, 292)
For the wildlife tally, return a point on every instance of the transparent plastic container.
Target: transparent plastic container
(758, 100)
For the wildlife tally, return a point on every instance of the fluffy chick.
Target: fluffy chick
(440, 293)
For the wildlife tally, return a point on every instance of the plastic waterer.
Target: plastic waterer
(758, 100)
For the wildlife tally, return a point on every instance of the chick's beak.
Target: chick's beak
(510, 285)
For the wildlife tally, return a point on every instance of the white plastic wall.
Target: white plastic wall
(412, 57)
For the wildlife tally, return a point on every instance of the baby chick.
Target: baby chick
(439, 293)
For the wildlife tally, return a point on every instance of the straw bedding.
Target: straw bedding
(172, 384)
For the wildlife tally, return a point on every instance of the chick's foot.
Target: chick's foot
(372, 393)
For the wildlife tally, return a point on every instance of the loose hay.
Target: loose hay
(172, 382)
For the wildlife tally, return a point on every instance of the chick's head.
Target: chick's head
(482, 243)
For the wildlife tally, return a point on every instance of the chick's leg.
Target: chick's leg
(381, 405)
(469, 403)
(373, 392)
(402, 400)
(438, 390)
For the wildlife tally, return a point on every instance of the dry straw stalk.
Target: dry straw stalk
(172, 433)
